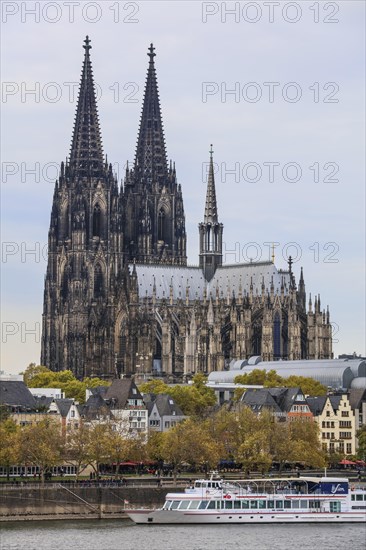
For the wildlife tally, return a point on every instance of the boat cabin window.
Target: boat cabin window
(213, 504)
(237, 504)
(295, 504)
(261, 504)
(254, 504)
(228, 504)
(245, 504)
(175, 504)
(270, 503)
(194, 504)
(203, 504)
(279, 504)
(359, 497)
(184, 504)
(314, 504)
(287, 504)
(167, 505)
(335, 506)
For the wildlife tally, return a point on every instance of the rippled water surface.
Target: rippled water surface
(123, 535)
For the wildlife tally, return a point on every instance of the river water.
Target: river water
(124, 535)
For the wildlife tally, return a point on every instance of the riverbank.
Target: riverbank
(25, 503)
(87, 500)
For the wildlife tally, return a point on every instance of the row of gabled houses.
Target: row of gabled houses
(339, 415)
(121, 405)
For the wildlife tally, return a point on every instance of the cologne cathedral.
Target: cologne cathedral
(119, 298)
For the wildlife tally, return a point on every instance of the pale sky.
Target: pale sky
(277, 87)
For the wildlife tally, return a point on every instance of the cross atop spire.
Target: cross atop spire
(151, 53)
(211, 215)
(86, 154)
(150, 157)
(87, 45)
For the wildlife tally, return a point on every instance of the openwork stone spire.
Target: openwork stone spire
(150, 159)
(211, 204)
(86, 155)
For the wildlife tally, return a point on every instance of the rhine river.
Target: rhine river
(123, 535)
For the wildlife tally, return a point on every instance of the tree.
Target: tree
(77, 447)
(42, 377)
(361, 436)
(99, 447)
(31, 371)
(190, 442)
(308, 385)
(41, 445)
(9, 448)
(270, 379)
(306, 446)
(194, 399)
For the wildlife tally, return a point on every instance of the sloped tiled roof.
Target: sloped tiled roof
(16, 394)
(120, 391)
(227, 279)
(316, 404)
(259, 399)
(93, 407)
(64, 405)
(166, 405)
(285, 397)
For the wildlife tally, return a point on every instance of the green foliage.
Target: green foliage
(41, 444)
(361, 436)
(37, 376)
(270, 379)
(194, 399)
(308, 385)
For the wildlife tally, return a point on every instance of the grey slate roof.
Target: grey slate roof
(259, 399)
(227, 279)
(64, 406)
(93, 407)
(285, 397)
(16, 394)
(316, 404)
(43, 401)
(166, 405)
(120, 391)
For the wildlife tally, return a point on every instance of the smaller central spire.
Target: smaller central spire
(211, 215)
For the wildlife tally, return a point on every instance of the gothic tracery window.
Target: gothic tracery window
(161, 225)
(98, 281)
(97, 221)
(277, 336)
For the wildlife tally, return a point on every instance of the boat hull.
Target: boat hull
(175, 517)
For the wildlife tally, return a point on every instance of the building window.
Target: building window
(349, 448)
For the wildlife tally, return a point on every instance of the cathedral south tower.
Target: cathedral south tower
(84, 249)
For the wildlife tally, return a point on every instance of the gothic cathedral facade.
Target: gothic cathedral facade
(119, 298)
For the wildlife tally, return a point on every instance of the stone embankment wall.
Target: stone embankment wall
(79, 502)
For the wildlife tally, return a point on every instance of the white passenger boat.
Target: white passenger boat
(270, 500)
